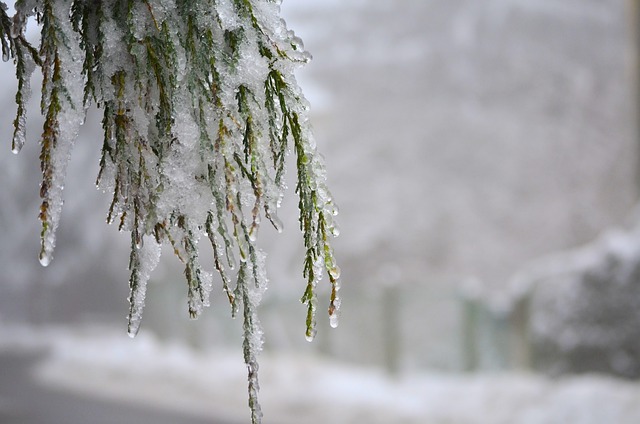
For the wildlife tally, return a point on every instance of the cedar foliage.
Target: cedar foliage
(200, 110)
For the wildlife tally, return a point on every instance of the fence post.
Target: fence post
(391, 309)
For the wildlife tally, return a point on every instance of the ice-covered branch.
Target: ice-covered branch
(200, 109)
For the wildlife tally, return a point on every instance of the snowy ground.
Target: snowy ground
(103, 362)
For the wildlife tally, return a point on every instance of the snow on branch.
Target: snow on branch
(200, 109)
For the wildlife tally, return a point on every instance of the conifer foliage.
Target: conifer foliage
(200, 110)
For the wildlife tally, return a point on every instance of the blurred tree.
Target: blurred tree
(634, 8)
(200, 108)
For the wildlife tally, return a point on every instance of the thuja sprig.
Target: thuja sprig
(25, 58)
(200, 109)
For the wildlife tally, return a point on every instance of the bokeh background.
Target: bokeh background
(485, 159)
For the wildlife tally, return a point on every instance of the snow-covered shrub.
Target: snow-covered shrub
(585, 307)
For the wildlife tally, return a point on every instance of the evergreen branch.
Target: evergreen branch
(14, 45)
(194, 140)
(137, 290)
(50, 106)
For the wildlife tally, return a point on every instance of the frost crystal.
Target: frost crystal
(200, 109)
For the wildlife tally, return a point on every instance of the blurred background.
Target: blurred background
(485, 157)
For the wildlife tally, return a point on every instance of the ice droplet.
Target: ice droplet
(306, 57)
(231, 258)
(5, 55)
(296, 42)
(17, 27)
(253, 233)
(310, 335)
(44, 258)
(334, 272)
(334, 320)
(334, 311)
(276, 222)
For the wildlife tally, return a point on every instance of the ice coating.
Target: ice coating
(145, 258)
(62, 105)
(200, 111)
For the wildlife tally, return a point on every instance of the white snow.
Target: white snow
(304, 389)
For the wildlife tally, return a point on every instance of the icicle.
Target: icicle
(19, 137)
(276, 222)
(143, 261)
(17, 24)
(336, 302)
(62, 104)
